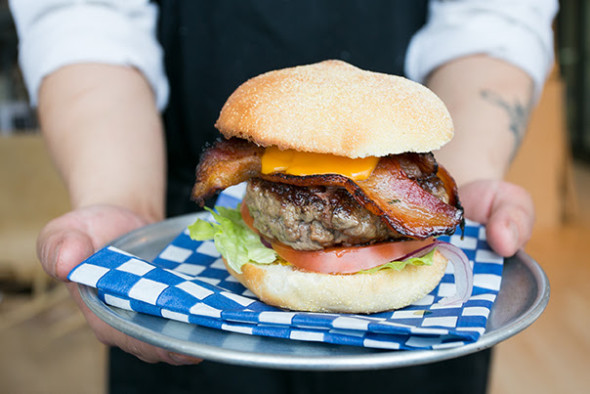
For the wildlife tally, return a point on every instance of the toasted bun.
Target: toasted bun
(286, 287)
(334, 107)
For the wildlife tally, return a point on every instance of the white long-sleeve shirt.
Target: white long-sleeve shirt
(55, 33)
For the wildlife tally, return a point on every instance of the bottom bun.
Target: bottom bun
(287, 287)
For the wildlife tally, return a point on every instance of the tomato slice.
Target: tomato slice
(347, 260)
(342, 260)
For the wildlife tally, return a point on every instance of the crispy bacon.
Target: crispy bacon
(418, 166)
(226, 163)
(389, 192)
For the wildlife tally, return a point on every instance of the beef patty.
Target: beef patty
(312, 218)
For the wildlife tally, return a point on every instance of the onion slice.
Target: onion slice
(462, 270)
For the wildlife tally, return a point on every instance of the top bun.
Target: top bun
(334, 107)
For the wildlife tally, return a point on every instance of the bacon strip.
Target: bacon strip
(389, 192)
(226, 163)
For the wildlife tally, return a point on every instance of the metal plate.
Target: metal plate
(523, 296)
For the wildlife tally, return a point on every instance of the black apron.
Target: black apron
(212, 46)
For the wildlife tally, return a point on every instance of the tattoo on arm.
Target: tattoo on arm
(518, 113)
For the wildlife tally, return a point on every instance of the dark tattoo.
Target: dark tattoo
(518, 113)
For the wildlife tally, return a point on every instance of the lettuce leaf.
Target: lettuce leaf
(233, 239)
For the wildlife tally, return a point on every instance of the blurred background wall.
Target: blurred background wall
(47, 348)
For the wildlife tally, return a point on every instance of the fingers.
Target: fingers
(146, 352)
(506, 209)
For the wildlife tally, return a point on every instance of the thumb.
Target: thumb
(506, 209)
(71, 238)
(60, 249)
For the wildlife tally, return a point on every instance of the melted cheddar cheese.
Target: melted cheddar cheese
(305, 163)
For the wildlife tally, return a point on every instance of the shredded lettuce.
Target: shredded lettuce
(233, 239)
(239, 245)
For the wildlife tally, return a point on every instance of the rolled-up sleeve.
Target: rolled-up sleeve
(56, 33)
(517, 31)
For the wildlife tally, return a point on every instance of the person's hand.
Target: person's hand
(506, 209)
(71, 238)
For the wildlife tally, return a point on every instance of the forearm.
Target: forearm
(489, 101)
(105, 135)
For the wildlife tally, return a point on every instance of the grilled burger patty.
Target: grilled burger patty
(312, 218)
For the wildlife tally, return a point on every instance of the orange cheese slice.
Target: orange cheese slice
(305, 163)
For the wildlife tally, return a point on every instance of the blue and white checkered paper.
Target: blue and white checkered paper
(188, 282)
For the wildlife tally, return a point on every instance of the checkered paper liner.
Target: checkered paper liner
(188, 282)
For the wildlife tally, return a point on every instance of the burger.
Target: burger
(344, 198)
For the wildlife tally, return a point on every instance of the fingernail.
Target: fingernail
(515, 235)
(183, 359)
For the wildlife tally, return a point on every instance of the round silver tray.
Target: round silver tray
(523, 296)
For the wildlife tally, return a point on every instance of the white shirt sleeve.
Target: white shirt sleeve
(517, 31)
(55, 33)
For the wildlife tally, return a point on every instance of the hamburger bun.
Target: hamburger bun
(334, 107)
(284, 286)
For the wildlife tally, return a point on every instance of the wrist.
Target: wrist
(489, 111)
